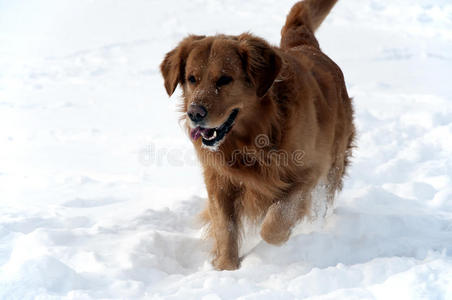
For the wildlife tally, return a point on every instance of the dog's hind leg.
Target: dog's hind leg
(334, 178)
(339, 167)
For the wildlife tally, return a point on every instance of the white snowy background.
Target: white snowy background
(100, 188)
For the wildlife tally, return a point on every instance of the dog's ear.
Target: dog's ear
(260, 61)
(173, 66)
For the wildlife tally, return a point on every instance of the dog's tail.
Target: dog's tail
(303, 20)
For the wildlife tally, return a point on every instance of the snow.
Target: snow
(100, 187)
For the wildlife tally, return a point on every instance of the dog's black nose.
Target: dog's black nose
(196, 113)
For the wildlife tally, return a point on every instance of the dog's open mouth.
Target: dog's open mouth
(213, 136)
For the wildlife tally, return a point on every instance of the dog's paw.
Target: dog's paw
(276, 229)
(275, 237)
(221, 263)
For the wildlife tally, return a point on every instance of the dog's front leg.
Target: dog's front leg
(283, 215)
(224, 227)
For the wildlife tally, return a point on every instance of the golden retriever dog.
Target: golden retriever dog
(268, 124)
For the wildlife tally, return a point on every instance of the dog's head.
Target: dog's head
(223, 78)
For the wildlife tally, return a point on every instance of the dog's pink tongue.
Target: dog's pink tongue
(195, 133)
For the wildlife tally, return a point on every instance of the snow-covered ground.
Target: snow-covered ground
(99, 187)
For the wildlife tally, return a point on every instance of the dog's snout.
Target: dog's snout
(196, 113)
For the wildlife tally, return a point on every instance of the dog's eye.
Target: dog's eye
(224, 80)
(192, 79)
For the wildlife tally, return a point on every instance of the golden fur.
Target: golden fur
(293, 97)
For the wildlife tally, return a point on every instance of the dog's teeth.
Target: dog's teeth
(214, 135)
